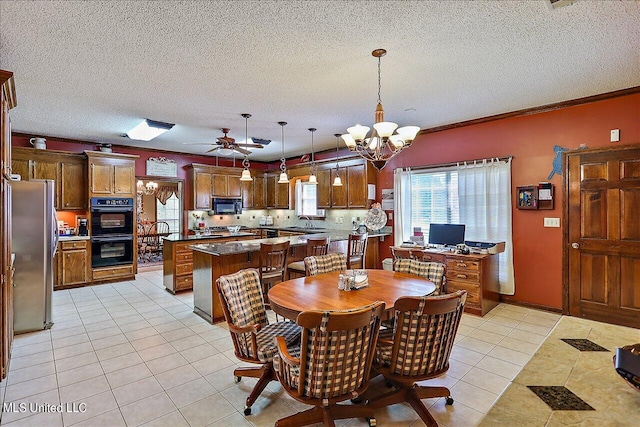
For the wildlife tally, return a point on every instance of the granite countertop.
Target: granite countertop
(72, 238)
(213, 235)
(254, 245)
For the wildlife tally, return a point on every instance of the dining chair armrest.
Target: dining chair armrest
(285, 356)
(244, 329)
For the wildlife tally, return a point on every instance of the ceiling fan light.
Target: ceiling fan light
(408, 133)
(284, 179)
(246, 175)
(385, 129)
(357, 132)
(225, 151)
(148, 129)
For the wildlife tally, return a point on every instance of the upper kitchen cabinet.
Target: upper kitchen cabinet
(324, 188)
(254, 192)
(277, 194)
(111, 174)
(212, 181)
(68, 170)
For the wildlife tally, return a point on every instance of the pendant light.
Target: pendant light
(246, 173)
(284, 178)
(337, 182)
(313, 170)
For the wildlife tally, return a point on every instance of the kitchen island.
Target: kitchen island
(212, 260)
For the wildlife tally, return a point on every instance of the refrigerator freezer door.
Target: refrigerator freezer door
(32, 241)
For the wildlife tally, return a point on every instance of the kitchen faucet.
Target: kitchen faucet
(308, 224)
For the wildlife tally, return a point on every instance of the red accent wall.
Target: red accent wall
(530, 139)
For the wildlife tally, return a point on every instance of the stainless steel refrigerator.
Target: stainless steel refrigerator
(34, 240)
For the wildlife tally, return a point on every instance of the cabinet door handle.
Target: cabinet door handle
(461, 276)
(462, 265)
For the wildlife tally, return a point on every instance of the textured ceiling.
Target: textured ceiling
(91, 70)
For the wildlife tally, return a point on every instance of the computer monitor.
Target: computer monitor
(446, 234)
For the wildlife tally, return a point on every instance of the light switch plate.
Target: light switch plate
(615, 135)
(552, 222)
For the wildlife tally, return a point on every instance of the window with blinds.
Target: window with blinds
(434, 199)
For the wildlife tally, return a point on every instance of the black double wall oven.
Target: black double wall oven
(112, 225)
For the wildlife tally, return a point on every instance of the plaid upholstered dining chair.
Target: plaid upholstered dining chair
(241, 299)
(433, 271)
(418, 349)
(336, 352)
(324, 264)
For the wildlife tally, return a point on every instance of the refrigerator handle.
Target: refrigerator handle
(56, 233)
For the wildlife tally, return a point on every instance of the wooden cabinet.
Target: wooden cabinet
(356, 186)
(324, 188)
(277, 194)
(254, 192)
(73, 265)
(339, 194)
(68, 170)
(111, 174)
(271, 185)
(476, 274)
(213, 181)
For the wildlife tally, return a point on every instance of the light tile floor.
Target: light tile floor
(130, 353)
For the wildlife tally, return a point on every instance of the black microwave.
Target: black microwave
(227, 206)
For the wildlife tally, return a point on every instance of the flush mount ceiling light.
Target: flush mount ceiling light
(246, 174)
(313, 170)
(337, 181)
(383, 144)
(284, 178)
(149, 129)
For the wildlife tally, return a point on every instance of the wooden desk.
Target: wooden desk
(321, 292)
(475, 273)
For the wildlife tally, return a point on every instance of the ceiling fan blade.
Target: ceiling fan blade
(250, 145)
(199, 143)
(241, 150)
(213, 149)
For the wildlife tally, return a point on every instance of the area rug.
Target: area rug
(570, 380)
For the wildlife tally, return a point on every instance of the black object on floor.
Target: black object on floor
(583, 344)
(560, 398)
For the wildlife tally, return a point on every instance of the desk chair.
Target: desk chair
(273, 265)
(333, 366)
(401, 253)
(241, 299)
(356, 249)
(324, 264)
(315, 247)
(404, 359)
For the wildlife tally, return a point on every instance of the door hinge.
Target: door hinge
(2, 279)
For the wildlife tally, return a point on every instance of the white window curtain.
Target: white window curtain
(402, 205)
(484, 191)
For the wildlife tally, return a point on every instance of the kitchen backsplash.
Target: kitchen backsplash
(337, 219)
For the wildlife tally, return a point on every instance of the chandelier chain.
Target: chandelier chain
(379, 79)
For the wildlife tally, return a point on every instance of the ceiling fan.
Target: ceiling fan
(226, 145)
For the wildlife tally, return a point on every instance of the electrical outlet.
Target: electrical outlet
(337, 220)
(390, 216)
(552, 222)
(340, 220)
(615, 135)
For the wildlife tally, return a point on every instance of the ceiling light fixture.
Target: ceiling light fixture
(284, 178)
(313, 170)
(337, 181)
(149, 129)
(246, 174)
(383, 144)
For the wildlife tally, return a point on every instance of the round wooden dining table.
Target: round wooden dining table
(321, 292)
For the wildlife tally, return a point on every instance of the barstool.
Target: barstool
(356, 249)
(273, 265)
(315, 247)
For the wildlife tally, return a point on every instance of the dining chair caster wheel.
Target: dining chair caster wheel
(247, 410)
(449, 400)
(237, 379)
(372, 422)
(389, 385)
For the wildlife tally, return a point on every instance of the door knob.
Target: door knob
(575, 245)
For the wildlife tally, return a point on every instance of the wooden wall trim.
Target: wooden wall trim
(508, 300)
(535, 110)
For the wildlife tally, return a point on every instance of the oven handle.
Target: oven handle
(118, 238)
(113, 209)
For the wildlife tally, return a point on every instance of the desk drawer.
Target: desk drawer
(184, 282)
(466, 276)
(462, 265)
(186, 268)
(184, 257)
(74, 245)
(112, 272)
(473, 291)
(429, 257)
(184, 247)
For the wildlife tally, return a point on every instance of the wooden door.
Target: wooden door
(73, 186)
(259, 192)
(22, 168)
(101, 178)
(49, 170)
(282, 196)
(357, 191)
(124, 179)
(247, 194)
(233, 186)
(219, 185)
(202, 187)
(74, 266)
(603, 235)
(272, 182)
